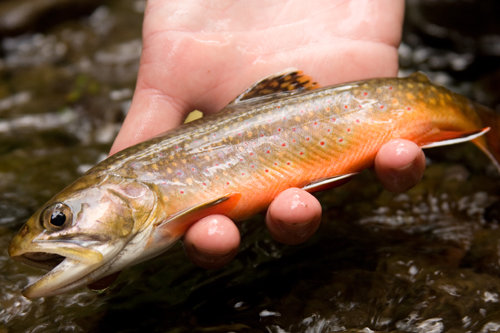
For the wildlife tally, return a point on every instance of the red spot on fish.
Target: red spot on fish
(279, 129)
(315, 123)
(179, 173)
(307, 139)
(284, 144)
(275, 163)
(409, 109)
(161, 154)
(301, 153)
(229, 164)
(284, 118)
(360, 106)
(164, 183)
(357, 120)
(182, 192)
(328, 130)
(301, 111)
(278, 106)
(390, 88)
(192, 169)
(348, 130)
(340, 140)
(251, 154)
(268, 152)
(381, 106)
(345, 106)
(216, 164)
(333, 119)
(294, 129)
(253, 166)
(239, 134)
(267, 170)
(241, 159)
(176, 147)
(288, 163)
(329, 101)
(214, 134)
(317, 107)
(227, 183)
(322, 143)
(242, 173)
(293, 140)
(365, 93)
(204, 184)
(261, 135)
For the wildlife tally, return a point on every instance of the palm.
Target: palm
(198, 55)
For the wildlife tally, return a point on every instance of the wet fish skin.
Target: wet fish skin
(283, 132)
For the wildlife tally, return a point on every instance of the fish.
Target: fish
(284, 131)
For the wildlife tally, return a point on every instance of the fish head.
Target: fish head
(81, 233)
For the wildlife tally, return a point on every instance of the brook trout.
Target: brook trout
(284, 131)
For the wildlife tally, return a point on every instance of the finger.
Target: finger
(212, 242)
(294, 216)
(399, 165)
(150, 114)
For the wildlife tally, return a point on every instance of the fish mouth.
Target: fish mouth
(68, 269)
(43, 260)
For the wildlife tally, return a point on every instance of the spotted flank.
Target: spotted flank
(284, 131)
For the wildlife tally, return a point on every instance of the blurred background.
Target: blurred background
(424, 261)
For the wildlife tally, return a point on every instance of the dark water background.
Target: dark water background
(424, 261)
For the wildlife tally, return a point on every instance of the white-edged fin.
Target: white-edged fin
(469, 137)
(323, 182)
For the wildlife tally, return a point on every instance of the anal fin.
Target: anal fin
(327, 183)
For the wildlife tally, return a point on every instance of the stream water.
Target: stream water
(423, 261)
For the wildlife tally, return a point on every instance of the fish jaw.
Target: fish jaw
(70, 265)
(92, 245)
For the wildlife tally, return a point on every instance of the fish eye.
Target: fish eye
(56, 216)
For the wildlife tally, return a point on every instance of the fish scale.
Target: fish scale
(284, 131)
(261, 141)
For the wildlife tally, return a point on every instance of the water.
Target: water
(424, 261)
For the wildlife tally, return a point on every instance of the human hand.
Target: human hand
(201, 54)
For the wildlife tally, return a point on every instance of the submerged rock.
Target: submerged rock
(20, 16)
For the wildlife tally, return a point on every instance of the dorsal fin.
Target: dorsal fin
(419, 76)
(288, 82)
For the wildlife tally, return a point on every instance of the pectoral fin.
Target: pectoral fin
(103, 284)
(177, 224)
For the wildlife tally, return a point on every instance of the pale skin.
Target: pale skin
(202, 54)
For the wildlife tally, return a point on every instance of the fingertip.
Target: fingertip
(212, 242)
(294, 216)
(399, 165)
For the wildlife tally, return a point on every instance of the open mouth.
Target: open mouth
(43, 260)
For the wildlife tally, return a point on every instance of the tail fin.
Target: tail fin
(490, 142)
